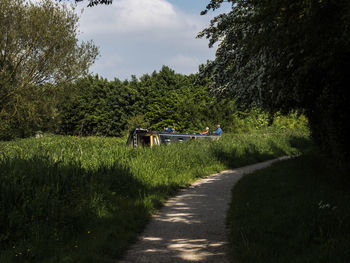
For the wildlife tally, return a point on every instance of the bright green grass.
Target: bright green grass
(295, 211)
(69, 199)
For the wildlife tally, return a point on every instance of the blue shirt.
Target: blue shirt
(218, 131)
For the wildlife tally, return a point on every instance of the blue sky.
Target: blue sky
(139, 36)
(194, 6)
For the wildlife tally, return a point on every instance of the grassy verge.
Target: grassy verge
(68, 199)
(295, 211)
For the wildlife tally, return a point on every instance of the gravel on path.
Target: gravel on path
(191, 226)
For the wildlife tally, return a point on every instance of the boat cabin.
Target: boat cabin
(143, 137)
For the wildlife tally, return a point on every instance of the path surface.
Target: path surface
(191, 226)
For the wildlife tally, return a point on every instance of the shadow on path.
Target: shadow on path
(191, 226)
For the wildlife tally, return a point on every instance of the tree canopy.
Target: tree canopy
(39, 52)
(95, 2)
(285, 55)
(161, 99)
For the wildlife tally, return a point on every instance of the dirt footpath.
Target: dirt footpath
(191, 226)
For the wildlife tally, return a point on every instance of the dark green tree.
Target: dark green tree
(100, 107)
(284, 55)
(39, 54)
(175, 100)
(155, 101)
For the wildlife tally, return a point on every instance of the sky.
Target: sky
(136, 37)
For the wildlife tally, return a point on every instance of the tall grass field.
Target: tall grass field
(70, 199)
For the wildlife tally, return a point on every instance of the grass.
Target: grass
(69, 199)
(295, 211)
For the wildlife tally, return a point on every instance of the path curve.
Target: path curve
(191, 226)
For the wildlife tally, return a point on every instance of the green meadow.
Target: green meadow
(73, 199)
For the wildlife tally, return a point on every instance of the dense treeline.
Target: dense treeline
(94, 106)
(162, 99)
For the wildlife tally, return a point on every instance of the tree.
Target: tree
(155, 101)
(39, 53)
(284, 55)
(95, 2)
(100, 107)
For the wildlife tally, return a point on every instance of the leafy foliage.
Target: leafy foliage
(162, 99)
(100, 108)
(159, 100)
(283, 55)
(39, 53)
(96, 2)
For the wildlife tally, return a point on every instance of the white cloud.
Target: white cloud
(131, 16)
(135, 15)
(184, 63)
(139, 36)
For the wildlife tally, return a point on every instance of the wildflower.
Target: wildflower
(322, 205)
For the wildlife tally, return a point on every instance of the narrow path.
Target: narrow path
(191, 226)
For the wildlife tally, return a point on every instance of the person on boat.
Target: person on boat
(218, 130)
(206, 131)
